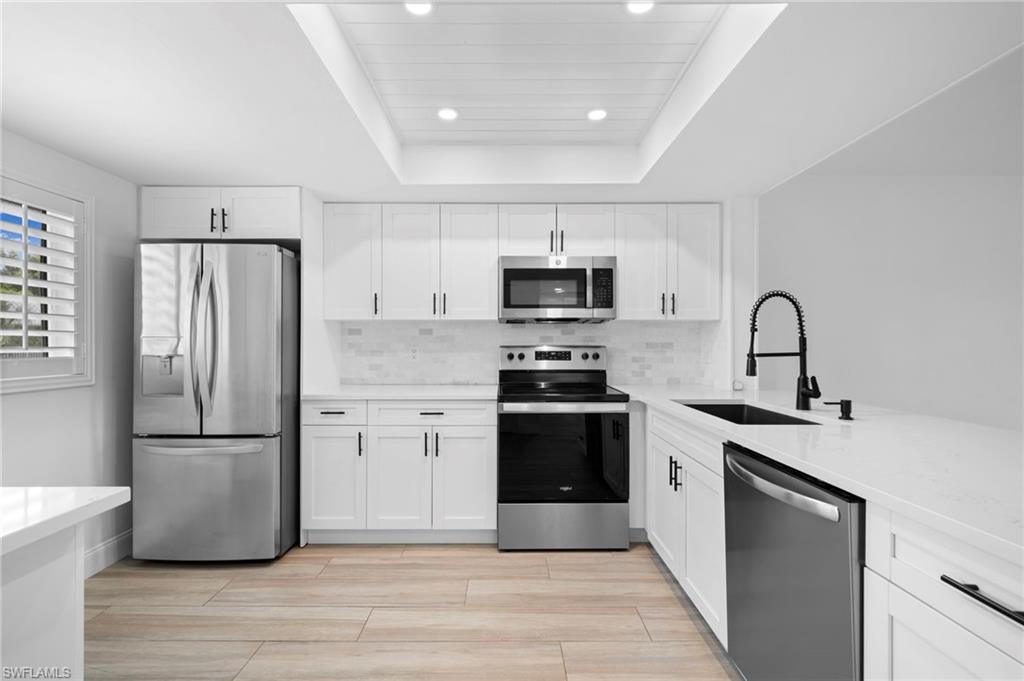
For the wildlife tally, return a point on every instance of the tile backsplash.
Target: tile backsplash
(689, 353)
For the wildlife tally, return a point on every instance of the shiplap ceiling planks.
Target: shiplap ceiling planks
(524, 73)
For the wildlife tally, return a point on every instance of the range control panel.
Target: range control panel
(552, 357)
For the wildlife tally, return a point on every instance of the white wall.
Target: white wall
(905, 249)
(81, 436)
(912, 289)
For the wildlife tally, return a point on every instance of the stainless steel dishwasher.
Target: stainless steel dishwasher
(794, 560)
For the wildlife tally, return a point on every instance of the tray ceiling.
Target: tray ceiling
(524, 73)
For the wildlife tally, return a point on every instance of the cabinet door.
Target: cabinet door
(351, 261)
(586, 229)
(465, 478)
(334, 477)
(411, 261)
(703, 566)
(664, 503)
(398, 478)
(526, 229)
(260, 213)
(695, 261)
(469, 261)
(906, 640)
(179, 213)
(641, 237)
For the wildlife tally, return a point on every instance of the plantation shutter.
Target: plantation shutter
(41, 282)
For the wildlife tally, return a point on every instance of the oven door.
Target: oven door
(563, 452)
(555, 288)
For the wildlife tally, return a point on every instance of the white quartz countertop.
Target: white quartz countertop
(408, 392)
(28, 514)
(964, 478)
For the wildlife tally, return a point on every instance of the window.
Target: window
(44, 324)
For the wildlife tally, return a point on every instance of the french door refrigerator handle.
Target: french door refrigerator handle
(205, 383)
(779, 493)
(203, 451)
(193, 334)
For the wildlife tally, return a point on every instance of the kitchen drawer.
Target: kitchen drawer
(915, 557)
(338, 413)
(701, 445)
(433, 413)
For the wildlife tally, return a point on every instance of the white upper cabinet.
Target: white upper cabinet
(641, 239)
(220, 213)
(585, 229)
(260, 213)
(469, 261)
(695, 261)
(526, 229)
(179, 213)
(352, 261)
(411, 272)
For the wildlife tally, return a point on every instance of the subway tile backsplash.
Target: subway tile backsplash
(688, 353)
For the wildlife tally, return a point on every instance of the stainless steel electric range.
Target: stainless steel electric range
(563, 450)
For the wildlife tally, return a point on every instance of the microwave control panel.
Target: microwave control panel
(604, 287)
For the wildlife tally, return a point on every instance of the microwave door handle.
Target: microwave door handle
(590, 289)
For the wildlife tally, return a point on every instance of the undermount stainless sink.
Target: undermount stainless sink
(745, 414)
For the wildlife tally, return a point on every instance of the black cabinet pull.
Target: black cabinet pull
(671, 471)
(213, 216)
(360, 443)
(551, 240)
(437, 449)
(673, 303)
(435, 304)
(974, 591)
(431, 413)
(425, 445)
(561, 248)
(662, 303)
(331, 412)
(678, 483)
(444, 303)
(223, 220)
(374, 304)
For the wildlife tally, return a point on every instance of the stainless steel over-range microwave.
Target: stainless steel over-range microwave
(556, 288)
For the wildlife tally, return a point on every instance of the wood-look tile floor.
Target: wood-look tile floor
(390, 613)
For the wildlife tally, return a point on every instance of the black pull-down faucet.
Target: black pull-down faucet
(806, 389)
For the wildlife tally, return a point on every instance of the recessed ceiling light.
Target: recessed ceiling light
(447, 114)
(421, 9)
(636, 7)
(597, 115)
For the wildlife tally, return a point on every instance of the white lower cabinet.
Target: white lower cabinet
(907, 640)
(465, 477)
(333, 477)
(398, 478)
(686, 527)
(703, 557)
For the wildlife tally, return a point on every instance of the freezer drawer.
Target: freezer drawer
(206, 499)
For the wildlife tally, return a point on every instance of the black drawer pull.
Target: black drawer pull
(437, 447)
(360, 443)
(425, 445)
(974, 591)
(431, 413)
(331, 412)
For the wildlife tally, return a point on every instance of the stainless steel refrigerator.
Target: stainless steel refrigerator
(215, 452)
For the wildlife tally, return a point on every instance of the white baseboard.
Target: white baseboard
(636, 535)
(108, 552)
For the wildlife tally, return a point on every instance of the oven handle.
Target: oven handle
(562, 407)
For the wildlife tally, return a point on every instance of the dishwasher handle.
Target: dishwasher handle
(779, 493)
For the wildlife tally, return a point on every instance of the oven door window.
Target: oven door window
(560, 458)
(545, 288)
